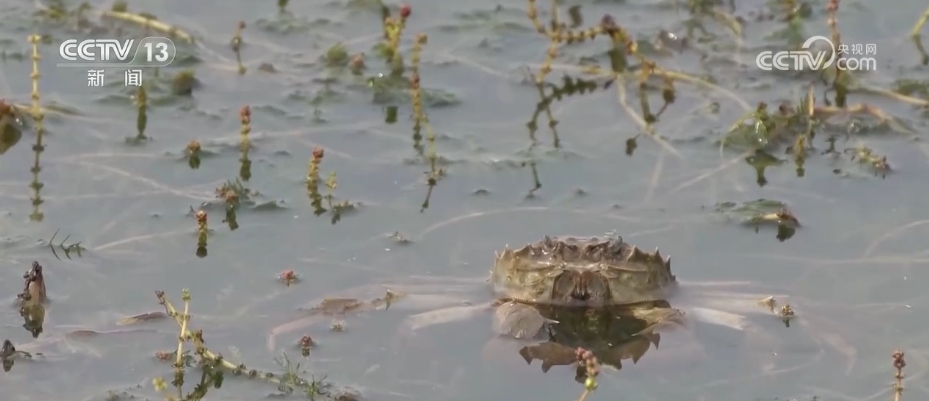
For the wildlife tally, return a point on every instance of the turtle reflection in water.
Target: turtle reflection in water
(612, 333)
(563, 278)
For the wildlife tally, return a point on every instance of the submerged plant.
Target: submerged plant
(865, 156)
(236, 44)
(213, 367)
(233, 194)
(420, 119)
(67, 249)
(245, 165)
(899, 364)
(183, 83)
(588, 368)
(38, 116)
(193, 154)
(203, 232)
(141, 103)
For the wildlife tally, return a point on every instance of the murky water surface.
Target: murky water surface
(854, 271)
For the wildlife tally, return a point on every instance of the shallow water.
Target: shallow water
(853, 270)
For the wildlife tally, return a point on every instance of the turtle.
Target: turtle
(585, 272)
(560, 296)
(582, 272)
(569, 272)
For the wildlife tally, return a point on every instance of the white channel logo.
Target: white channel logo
(798, 60)
(153, 51)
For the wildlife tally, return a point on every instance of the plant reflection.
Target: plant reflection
(569, 87)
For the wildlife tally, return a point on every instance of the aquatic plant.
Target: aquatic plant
(236, 44)
(588, 368)
(203, 233)
(756, 131)
(141, 102)
(245, 165)
(899, 363)
(119, 10)
(192, 152)
(213, 367)
(917, 37)
(420, 119)
(67, 249)
(38, 117)
(313, 180)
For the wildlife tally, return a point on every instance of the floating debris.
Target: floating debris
(762, 212)
(288, 277)
(141, 318)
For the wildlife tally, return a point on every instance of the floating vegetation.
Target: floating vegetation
(142, 317)
(336, 308)
(288, 277)
(860, 155)
(232, 196)
(785, 312)
(214, 367)
(399, 238)
(762, 212)
(67, 249)
(865, 156)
